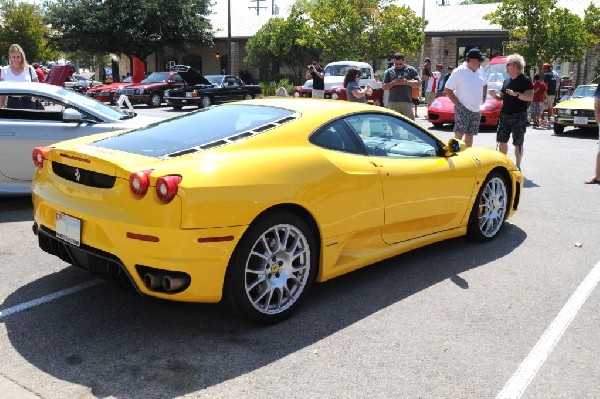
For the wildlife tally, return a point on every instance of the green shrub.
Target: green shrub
(270, 88)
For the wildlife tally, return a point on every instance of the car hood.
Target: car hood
(59, 74)
(579, 103)
(193, 77)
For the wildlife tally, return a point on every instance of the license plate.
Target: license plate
(68, 228)
(580, 120)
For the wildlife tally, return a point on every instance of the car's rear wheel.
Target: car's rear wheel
(248, 97)
(489, 210)
(155, 100)
(272, 268)
(559, 129)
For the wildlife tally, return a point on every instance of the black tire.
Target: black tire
(489, 209)
(205, 102)
(438, 124)
(248, 96)
(558, 129)
(272, 268)
(155, 100)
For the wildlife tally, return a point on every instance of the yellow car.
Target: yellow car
(577, 111)
(252, 202)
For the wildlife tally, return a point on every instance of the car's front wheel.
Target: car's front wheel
(489, 210)
(272, 268)
(155, 100)
(559, 129)
(248, 97)
(205, 101)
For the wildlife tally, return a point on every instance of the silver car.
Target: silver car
(61, 115)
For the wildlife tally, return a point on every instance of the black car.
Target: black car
(204, 91)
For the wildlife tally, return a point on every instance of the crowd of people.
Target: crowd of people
(466, 87)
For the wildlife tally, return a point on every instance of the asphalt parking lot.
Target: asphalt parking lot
(517, 317)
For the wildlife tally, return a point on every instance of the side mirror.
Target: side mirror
(72, 115)
(453, 146)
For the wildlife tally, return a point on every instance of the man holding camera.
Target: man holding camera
(315, 72)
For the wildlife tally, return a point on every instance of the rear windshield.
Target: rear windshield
(204, 127)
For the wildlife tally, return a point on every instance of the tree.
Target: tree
(329, 30)
(122, 26)
(541, 32)
(22, 23)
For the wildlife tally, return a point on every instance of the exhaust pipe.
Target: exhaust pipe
(153, 280)
(175, 283)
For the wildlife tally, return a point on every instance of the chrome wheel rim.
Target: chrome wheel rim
(205, 102)
(492, 207)
(155, 100)
(248, 97)
(277, 269)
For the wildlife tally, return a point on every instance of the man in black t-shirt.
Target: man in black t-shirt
(516, 93)
(551, 80)
(315, 72)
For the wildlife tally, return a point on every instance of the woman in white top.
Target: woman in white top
(18, 70)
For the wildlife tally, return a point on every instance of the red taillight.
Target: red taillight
(139, 182)
(167, 186)
(39, 155)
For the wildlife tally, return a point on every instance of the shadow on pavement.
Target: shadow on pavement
(120, 345)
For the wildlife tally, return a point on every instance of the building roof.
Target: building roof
(442, 19)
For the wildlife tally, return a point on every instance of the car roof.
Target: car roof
(29, 87)
(351, 63)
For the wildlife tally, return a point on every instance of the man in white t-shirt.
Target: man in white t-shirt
(467, 89)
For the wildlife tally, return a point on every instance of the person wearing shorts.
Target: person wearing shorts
(516, 92)
(539, 101)
(466, 88)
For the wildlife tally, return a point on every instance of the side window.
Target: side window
(337, 136)
(388, 136)
(238, 81)
(177, 78)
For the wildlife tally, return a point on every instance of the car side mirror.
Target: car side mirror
(71, 115)
(454, 145)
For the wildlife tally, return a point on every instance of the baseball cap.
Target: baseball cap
(475, 53)
(36, 65)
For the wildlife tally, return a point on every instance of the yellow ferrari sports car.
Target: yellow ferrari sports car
(252, 202)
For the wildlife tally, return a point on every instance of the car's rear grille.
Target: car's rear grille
(82, 176)
(96, 262)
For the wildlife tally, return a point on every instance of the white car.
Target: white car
(66, 115)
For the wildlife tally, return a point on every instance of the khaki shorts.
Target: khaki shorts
(404, 108)
(549, 104)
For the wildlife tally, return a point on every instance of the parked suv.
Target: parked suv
(152, 89)
(334, 80)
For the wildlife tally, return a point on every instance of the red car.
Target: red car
(151, 90)
(106, 93)
(441, 111)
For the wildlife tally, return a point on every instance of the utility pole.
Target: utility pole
(228, 37)
(257, 7)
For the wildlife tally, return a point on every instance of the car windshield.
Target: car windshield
(584, 91)
(496, 73)
(73, 97)
(157, 77)
(209, 126)
(214, 79)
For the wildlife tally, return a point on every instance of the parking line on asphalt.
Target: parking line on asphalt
(47, 298)
(518, 383)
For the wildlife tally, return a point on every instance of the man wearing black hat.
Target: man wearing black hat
(400, 79)
(467, 89)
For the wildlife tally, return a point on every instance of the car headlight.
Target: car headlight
(334, 96)
(564, 111)
(167, 93)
